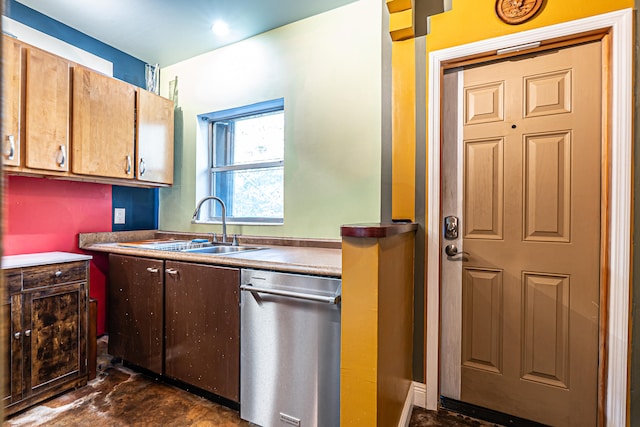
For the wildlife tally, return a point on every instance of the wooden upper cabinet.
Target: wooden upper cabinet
(47, 111)
(65, 120)
(12, 87)
(154, 158)
(103, 125)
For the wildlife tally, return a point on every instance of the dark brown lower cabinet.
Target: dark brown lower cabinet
(136, 321)
(45, 316)
(202, 327)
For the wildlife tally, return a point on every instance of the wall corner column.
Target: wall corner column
(377, 322)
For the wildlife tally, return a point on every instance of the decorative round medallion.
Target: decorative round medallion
(517, 11)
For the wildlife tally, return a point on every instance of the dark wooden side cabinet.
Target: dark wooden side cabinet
(136, 321)
(198, 339)
(45, 320)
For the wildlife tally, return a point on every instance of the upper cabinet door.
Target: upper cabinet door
(155, 138)
(103, 125)
(47, 111)
(12, 75)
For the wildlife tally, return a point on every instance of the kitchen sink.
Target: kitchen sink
(166, 245)
(190, 246)
(220, 249)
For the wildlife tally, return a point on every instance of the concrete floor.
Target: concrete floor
(119, 397)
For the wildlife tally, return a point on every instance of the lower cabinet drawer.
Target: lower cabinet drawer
(53, 274)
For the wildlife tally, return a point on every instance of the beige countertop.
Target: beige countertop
(305, 256)
(42, 258)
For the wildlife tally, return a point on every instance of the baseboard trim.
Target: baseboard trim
(416, 396)
(419, 394)
(405, 417)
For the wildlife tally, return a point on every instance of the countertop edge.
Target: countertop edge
(380, 230)
(41, 258)
(85, 239)
(220, 260)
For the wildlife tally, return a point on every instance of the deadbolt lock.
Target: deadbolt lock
(451, 228)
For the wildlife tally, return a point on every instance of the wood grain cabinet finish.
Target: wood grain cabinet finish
(103, 125)
(62, 119)
(136, 321)
(47, 100)
(202, 327)
(12, 95)
(46, 331)
(154, 142)
(199, 337)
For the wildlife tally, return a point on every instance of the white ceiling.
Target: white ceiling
(168, 31)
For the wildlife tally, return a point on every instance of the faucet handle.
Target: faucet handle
(235, 240)
(214, 239)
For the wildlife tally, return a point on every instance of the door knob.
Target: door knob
(452, 250)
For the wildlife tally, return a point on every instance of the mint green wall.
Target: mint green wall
(328, 70)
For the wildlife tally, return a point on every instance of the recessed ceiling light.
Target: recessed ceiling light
(220, 28)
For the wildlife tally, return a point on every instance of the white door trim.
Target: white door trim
(621, 25)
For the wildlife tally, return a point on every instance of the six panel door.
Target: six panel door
(531, 227)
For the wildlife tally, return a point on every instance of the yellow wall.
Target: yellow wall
(403, 129)
(359, 338)
(377, 319)
(468, 21)
(474, 20)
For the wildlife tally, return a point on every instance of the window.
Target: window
(246, 158)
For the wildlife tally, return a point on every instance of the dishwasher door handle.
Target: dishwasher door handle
(298, 295)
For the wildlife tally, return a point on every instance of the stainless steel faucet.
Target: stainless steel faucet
(196, 214)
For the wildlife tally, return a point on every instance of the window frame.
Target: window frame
(267, 107)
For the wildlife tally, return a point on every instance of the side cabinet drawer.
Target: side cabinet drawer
(54, 274)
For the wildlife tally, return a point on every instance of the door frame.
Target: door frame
(618, 130)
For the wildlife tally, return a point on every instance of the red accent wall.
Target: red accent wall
(45, 215)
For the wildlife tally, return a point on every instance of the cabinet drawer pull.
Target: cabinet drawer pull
(27, 333)
(62, 157)
(172, 271)
(58, 273)
(12, 147)
(17, 335)
(143, 167)
(152, 270)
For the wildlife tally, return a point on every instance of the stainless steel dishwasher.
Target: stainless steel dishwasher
(289, 349)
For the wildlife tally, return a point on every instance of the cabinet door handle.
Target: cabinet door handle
(143, 168)
(58, 273)
(152, 270)
(17, 335)
(172, 271)
(62, 157)
(128, 169)
(27, 333)
(12, 147)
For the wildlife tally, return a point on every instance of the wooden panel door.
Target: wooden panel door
(530, 225)
(103, 125)
(55, 343)
(47, 100)
(12, 96)
(203, 327)
(136, 304)
(154, 154)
